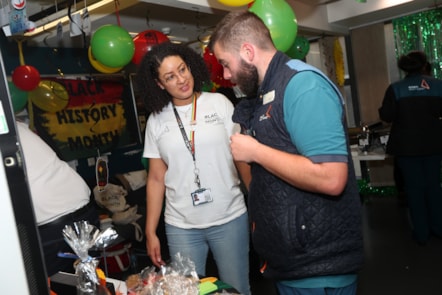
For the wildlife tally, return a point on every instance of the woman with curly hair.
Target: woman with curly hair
(191, 168)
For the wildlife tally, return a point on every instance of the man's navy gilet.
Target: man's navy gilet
(297, 234)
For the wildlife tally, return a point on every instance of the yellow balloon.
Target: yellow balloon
(235, 2)
(50, 96)
(100, 67)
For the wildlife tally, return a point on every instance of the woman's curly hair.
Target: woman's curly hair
(155, 98)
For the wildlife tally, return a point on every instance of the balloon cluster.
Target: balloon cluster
(49, 96)
(112, 47)
(26, 86)
(24, 78)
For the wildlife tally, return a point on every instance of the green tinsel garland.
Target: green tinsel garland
(366, 189)
(421, 31)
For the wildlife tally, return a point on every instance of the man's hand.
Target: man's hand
(243, 147)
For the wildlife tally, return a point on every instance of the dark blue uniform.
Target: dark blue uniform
(414, 107)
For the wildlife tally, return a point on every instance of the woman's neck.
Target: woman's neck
(185, 101)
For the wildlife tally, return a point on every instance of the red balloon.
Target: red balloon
(144, 42)
(216, 69)
(26, 78)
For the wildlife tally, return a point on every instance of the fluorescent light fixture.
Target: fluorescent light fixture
(64, 19)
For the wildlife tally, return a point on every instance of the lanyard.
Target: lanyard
(190, 144)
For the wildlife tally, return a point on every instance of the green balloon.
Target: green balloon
(299, 49)
(19, 98)
(280, 19)
(112, 46)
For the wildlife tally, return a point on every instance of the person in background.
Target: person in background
(191, 167)
(428, 69)
(413, 106)
(59, 196)
(304, 203)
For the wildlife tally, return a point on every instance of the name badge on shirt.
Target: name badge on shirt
(201, 196)
(268, 97)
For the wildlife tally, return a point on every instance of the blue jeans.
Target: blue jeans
(229, 244)
(286, 290)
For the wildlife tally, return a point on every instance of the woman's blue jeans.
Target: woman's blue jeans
(229, 244)
(286, 290)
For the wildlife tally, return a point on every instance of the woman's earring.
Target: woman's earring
(159, 84)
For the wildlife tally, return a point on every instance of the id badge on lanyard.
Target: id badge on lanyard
(201, 195)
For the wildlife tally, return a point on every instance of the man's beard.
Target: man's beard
(247, 79)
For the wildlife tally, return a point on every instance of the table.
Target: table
(359, 156)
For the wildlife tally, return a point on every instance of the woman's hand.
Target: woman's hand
(154, 250)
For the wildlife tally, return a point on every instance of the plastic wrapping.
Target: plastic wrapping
(177, 278)
(81, 237)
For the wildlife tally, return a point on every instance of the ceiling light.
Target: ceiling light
(64, 19)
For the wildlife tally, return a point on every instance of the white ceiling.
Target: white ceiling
(188, 20)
